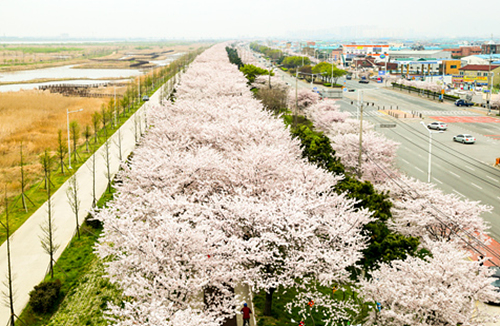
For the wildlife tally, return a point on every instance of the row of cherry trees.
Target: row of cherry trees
(217, 195)
(439, 288)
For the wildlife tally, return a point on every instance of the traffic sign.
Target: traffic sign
(382, 56)
(315, 88)
(381, 73)
(344, 89)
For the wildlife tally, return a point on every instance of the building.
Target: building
(490, 46)
(473, 60)
(364, 50)
(420, 54)
(464, 51)
(451, 67)
(477, 75)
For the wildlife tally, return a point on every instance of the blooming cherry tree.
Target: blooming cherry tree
(440, 289)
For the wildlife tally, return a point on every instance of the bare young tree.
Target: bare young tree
(104, 120)
(10, 294)
(74, 128)
(96, 119)
(23, 197)
(136, 129)
(107, 160)
(48, 229)
(46, 167)
(61, 149)
(87, 133)
(74, 200)
(118, 143)
(92, 168)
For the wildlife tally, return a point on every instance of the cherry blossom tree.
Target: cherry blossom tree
(439, 289)
(216, 195)
(421, 209)
(305, 98)
(326, 113)
(378, 154)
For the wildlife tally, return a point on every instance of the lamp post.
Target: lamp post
(69, 143)
(430, 149)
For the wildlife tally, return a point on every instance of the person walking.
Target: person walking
(246, 314)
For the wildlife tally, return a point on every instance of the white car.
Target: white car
(465, 139)
(437, 126)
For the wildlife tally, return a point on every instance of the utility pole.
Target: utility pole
(296, 98)
(491, 44)
(360, 135)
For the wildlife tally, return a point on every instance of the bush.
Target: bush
(284, 69)
(45, 296)
(327, 84)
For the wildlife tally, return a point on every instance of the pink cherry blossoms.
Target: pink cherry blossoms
(216, 195)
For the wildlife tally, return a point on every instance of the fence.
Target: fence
(427, 92)
(76, 90)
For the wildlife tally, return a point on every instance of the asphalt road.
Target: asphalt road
(461, 169)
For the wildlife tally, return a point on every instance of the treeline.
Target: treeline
(384, 245)
(85, 140)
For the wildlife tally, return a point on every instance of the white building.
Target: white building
(420, 54)
(473, 60)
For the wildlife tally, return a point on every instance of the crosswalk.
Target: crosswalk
(441, 113)
(368, 114)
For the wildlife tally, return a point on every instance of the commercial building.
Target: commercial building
(420, 54)
(490, 47)
(364, 50)
(451, 67)
(477, 75)
(464, 51)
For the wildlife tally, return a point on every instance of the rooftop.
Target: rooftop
(479, 67)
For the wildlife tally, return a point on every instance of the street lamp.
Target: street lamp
(69, 143)
(430, 149)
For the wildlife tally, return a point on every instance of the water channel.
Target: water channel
(81, 76)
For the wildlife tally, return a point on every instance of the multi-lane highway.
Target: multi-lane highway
(464, 170)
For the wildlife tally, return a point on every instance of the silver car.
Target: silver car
(437, 126)
(465, 139)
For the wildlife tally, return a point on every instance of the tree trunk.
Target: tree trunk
(269, 302)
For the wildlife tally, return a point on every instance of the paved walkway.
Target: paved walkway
(29, 261)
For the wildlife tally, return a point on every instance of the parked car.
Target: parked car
(437, 126)
(145, 98)
(364, 81)
(465, 139)
(462, 102)
(348, 77)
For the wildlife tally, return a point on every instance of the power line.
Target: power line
(466, 232)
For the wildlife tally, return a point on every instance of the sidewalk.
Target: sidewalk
(245, 296)
(29, 261)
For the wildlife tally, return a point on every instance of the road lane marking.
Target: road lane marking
(458, 193)
(455, 174)
(492, 178)
(468, 167)
(405, 161)
(475, 185)
(419, 170)
(435, 179)
(420, 155)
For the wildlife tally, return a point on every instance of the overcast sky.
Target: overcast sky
(195, 19)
